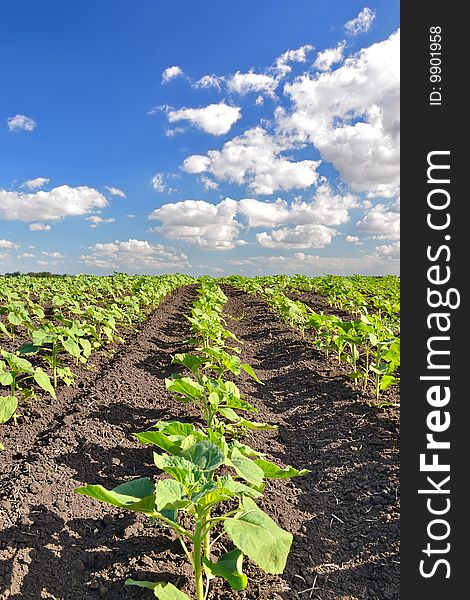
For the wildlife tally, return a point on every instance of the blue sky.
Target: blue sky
(151, 137)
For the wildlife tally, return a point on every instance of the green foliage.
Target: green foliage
(213, 482)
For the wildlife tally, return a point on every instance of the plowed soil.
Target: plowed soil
(343, 515)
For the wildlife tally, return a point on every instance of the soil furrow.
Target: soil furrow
(344, 514)
(54, 543)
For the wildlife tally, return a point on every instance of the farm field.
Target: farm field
(318, 358)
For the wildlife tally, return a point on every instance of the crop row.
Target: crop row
(214, 477)
(48, 325)
(367, 344)
(356, 294)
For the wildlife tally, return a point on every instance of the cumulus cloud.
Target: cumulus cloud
(196, 163)
(390, 251)
(26, 255)
(353, 239)
(8, 245)
(314, 265)
(362, 23)
(329, 57)
(208, 183)
(96, 220)
(244, 83)
(170, 73)
(382, 220)
(352, 116)
(114, 191)
(21, 123)
(208, 81)
(34, 184)
(52, 205)
(197, 222)
(39, 227)
(282, 66)
(325, 208)
(300, 236)
(135, 255)
(216, 119)
(255, 158)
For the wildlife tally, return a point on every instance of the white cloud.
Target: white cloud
(352, 116)
(216, 119)
(200, 223)
(21, 123)
(52, 205)
(314, 265)
(362, 23)
(174, 131)
(325, 208)
(197, 163)
(134, 254)
(382, 220)
(300, 236)
(329, 57)
(254, 158)
(391, 251)
(208, 183)
(114, 191)
(26, 255)
(353, 239)
(39, 227)
(244, 83)
(8, 245)
(34, 184)
(157, 182)
(282, 65)
(57, 255)
(95, 220)
(208, 81)
(170, 73)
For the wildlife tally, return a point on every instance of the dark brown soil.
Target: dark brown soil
(343, 515)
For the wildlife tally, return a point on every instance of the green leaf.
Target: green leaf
(229, 414)
(43, 381)
(159, 439)
(234, 488)
(8, 406)
(6, 378)
(71, 347)
(205, 455)
(183, 470)
(169, 495)
(273, 471)
(137, 495)
(249, 369)
(163, 591)
(230, 567)
(144, 584)
(259, 537)
(185, 386)
(255, 425)
(245, 467)
(28, 349)
(177, 428)
(387, 381)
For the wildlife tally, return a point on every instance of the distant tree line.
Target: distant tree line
(34, 274)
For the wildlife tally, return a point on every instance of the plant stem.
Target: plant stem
(197, 561)
(54, 365)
